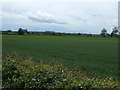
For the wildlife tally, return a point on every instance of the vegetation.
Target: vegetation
(97, 57)
(114, 33)
(21, 31)
(24, 73)
(103, 32)
(85, 60)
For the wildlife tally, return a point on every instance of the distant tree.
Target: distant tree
(59, 34)
(9, 31)
(114, 32)
(20, 31)
(108, 35)
(79, 33)
(118, 33)
(53, 33)
(25, 30)
(103, 32)
(28, 32)
(90, 34)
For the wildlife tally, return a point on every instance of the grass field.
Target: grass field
(92, 55)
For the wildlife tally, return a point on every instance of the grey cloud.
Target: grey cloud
(45, 20)
(96, 15)
(81, 19)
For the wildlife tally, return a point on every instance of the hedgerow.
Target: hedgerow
(25, 73)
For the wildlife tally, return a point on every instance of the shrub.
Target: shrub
(21, 31)
(25, 73)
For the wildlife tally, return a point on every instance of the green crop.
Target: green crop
(95, 56)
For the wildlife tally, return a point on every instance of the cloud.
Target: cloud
(45, 20)
(96, 15)
(81, 19)
(43, 17)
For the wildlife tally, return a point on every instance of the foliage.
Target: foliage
(22, 31)
(114, 32)
(103, 32)
(25, 73)
(9, 30)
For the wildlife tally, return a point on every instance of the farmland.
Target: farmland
(95, 56)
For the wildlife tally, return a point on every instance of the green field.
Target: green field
(93, 55)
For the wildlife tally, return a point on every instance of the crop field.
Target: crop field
(94, 56)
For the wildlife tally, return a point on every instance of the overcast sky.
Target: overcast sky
(84, 17)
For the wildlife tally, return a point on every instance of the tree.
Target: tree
(103, 32)
(118, 33)
(114, 32)
(9, 31)
(79, 33)
(20, 31)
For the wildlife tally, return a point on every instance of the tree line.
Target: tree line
(115, 33)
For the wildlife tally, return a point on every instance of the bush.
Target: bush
(21, 31)
(25, 73)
